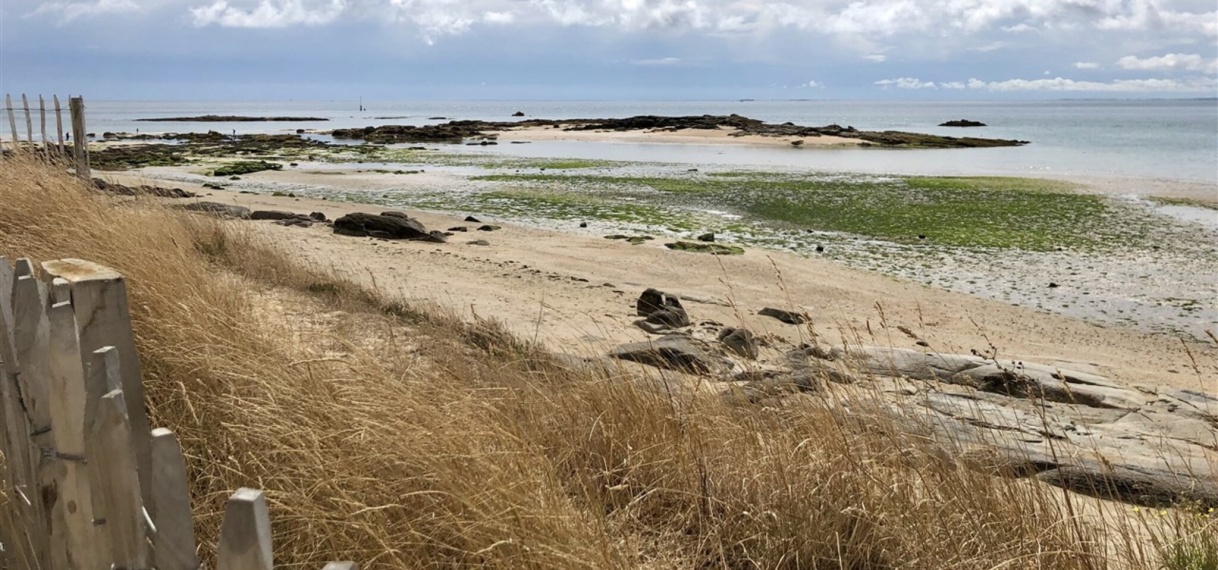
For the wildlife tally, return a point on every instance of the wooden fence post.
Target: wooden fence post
(114, 461)
(21, 518)
(42, 117)
(173, 545)
(77, 107)
(31, 351)
(29, 125)
(12, 121)
(58, 126)
(245, 537)
(73, 506)
(99, 300)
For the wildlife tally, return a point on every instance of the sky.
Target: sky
(609, 49)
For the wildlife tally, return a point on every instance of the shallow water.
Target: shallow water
(1152, 139)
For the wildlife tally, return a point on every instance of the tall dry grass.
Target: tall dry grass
(455, 446)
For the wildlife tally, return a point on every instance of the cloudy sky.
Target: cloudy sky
(610, 49)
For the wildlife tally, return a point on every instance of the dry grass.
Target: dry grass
(426, 442)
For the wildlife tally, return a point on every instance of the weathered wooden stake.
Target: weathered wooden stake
(58, 126)
(174, 541)
(99, 299)
(73, 502)
(77, 107)
(12, 120)
(42, 114)
(245, 537)
(114, 460)
(29, 124)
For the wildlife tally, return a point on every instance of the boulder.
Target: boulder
(707, 237)
(653, 300)
(472, 220)
(518, 114)
(273, 215)
(674, 352)
(396, 214)
(740, 341)
(386, 227)
(458, 229)
(789, 317)
(317, 216)
(488, 228)
(218, 209)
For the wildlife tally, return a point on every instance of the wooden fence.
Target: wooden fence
(54, 149)
(88, 485)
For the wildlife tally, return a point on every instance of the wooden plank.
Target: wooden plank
(100, 379)
(32, 356)
(341, 566)
(173, 545)
(29, 125)
(245, 537)
(72, 506)
(99, 299)
(19, 519)
(77, 106)
(42, 113)
(58, 125)
(114, 461)
(12, 120)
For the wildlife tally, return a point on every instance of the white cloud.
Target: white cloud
(1118, 86)
(663, 61)
(269, 13)
(906, 83)
(1171, 61)
(69, 11)
(876, 58)
(1086, 65)
(953, 85)
(498, 17)
(1019, 28)
(814, 85)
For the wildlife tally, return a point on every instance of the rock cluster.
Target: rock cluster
(1072, 429)
(387, 225)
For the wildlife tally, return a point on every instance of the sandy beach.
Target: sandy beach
(576, 292)
(721, 136)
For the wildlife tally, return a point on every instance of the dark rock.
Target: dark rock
(472, 220)
(218, 209)
(479, 242)
(488, 228)
(707, 237)
(518, 114)
(789, 317)
(295, 222)
(962, 123)
(711, 248)
(396, 214)
(273, 215)
(583, 224)
(820, 249)
(653, 300)
(317, 216)
(673, 352)
(386, 227)
(1053, 285)
(666, 318)
(458, 229)
(740, 341)
(157, 191)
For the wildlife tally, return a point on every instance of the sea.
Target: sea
(1136, 142)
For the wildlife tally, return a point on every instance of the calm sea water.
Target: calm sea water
(1160, 140)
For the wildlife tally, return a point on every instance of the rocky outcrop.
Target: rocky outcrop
(674, 352)
(962, 123)
(662, 312)
(141, 190)
(230, 119)
(218, 209)
(789, 317)
(459, 131)
(739, 341)
(385, 227)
